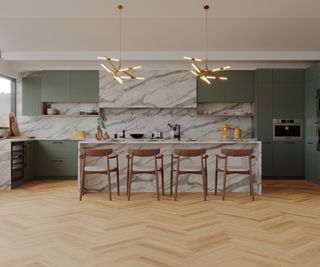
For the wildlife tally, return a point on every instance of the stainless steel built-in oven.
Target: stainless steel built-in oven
(17, 161)
(287, 129)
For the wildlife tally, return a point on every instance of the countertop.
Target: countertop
(133, 141)
(171, 141)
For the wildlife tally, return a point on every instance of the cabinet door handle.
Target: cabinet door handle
(288, 142)
(57, 160)
(57, 142)
(310, 143)
(266, 142)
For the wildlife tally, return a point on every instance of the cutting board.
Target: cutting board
(14, 129)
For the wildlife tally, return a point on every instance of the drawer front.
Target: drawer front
(57, 167)
(57, 149)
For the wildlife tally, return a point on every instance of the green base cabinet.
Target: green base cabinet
(31, 96)
(57, 159)
(288, 159)
(267, 168)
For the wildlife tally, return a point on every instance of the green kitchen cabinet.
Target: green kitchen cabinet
(288, 159)
(239, 86)
(70, 86)
(84, 86)
(57, 167)
(55, 86)
(312, 156)
(29, 155)
(267, 159)
(57, 159)
(264, 113)
(214, 92)
(31, 96)
(287, 100)
(288, 75)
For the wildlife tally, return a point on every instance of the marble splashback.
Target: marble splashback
(159, 89)
(143, 120)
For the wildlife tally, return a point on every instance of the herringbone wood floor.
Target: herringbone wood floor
(44, 224)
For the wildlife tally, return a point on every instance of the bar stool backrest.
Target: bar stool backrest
(144, 152)
(97, 152)
(190, 152)
(237, 152)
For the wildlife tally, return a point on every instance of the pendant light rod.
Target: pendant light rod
(120, 7)
(205, 73)
(206, 7)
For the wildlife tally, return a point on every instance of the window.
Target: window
(7, 99)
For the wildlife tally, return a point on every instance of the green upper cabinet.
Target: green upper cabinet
(84, 86)
(55, 86)
(214, 92)
(287, 100)
(238, 88)
(31, 96)
(288, 75)
(70, 86)
(264, 111)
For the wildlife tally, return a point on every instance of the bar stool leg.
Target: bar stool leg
(129, 180)
(177, 178)
(118, 182)
(251, 179)
(224, 178)
(81, 189)
(216, 178)
(109, 179)
(157, 177)
(171, 176)
(206, 172)
(203, 180)
(162, 176)
(128, 166)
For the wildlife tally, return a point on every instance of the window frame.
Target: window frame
(13, 93)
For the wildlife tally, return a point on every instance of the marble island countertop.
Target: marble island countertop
(170, 141)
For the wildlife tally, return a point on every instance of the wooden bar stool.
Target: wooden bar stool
(155, 153)
(99, 169)
(234, 153)
(178, 153)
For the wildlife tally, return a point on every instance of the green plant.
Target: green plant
(102, 120)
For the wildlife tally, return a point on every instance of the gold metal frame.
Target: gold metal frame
(118, 72)
(206, 74)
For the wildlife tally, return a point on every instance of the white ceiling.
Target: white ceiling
(267, 30)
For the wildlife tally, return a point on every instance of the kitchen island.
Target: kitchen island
(187, 183)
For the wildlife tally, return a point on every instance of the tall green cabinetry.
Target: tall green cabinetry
(279, 95)
(312, 156)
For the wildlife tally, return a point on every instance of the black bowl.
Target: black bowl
(136, 135)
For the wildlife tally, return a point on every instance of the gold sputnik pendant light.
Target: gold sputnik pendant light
(120, 73)
(206, 74)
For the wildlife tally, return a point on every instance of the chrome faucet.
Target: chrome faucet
(176, 129)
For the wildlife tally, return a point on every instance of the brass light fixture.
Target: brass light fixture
(206, 74)
(120, 73)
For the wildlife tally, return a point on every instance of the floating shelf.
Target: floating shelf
(226, 115)
(73, 115)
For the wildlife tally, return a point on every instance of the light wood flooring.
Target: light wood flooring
(44, 224)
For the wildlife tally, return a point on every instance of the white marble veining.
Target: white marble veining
(159, 89)
(143, 120)
(187, 183)
(5, 164)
